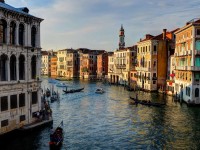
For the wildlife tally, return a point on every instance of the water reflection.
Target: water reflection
(110, 121)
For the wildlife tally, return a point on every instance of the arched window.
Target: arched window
(3, 27)
(21, 67)
(12, 32)
(13, 74)
(21, 34)
(197, 92)
(33, 36)
(33, 67)
(3, 67)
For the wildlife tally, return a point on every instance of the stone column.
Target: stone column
(8, 69)
(38, 37)
(17, 34)
(25, 72)
(8, 34)
(27, 36)
(17, 68)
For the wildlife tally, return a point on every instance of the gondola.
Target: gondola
(73, 90)
(48, 93)
(148, 103)
(56, 137)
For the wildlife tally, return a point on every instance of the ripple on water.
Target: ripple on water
(109, 121)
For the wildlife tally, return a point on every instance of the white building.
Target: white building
(187, 67)
(20, 52)
(45, 63)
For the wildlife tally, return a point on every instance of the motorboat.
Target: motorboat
(61, 85)
(99, 91)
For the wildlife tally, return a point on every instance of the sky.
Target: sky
(95, 24)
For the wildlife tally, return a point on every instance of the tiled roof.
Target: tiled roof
(18, 10)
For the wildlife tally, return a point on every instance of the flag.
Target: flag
(61, 124)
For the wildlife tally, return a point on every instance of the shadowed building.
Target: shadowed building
(20, 59)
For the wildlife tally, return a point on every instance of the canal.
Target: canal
(111, 121)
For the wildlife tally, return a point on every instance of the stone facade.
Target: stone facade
(20, 59)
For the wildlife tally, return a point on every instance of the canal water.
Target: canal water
(111, 121)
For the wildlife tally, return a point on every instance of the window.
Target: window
(34, 98)
(12, 32)
(13, 101)
(198, 31)
(33, 67)
(22, 100)
(21, 34)
(197, 92)
(187, 91)
(22, 118)
(154, 49)
(3, 28)
(3, 67)
(4, 123)
(197, 61)
(21, 67)
(197, 45)
(33, 36)
(4, 103)
(13, 74)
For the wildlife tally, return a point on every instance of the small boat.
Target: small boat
(99, 91)
(54, 96)
(56, 137)
(73, 90)
(61, 85)
(148, 103)
(48, 93)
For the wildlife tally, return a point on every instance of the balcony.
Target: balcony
(193, 68)
(143, 69)
(180, 67)
(189, 68)
(121, 66)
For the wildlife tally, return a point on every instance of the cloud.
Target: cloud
(96, 23)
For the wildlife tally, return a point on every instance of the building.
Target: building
(72, 63)
(133, 71)
(102, 64)
(45, 63)
(120, 65)
(88, 63)
(67, 63)
(187, 62)
(152, 61)
(53, 65)
(20, 59)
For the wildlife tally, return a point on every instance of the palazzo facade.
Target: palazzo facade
(20, 59)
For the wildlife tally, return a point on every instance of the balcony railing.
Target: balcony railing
(121, 66)
(143, 69)
(189, 68)
(183, 53)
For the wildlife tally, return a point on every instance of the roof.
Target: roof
(18, 10)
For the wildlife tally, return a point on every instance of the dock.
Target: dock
(36, 124)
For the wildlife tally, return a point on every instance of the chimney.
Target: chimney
(2, 1)
(148, 36)
(164, 34)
